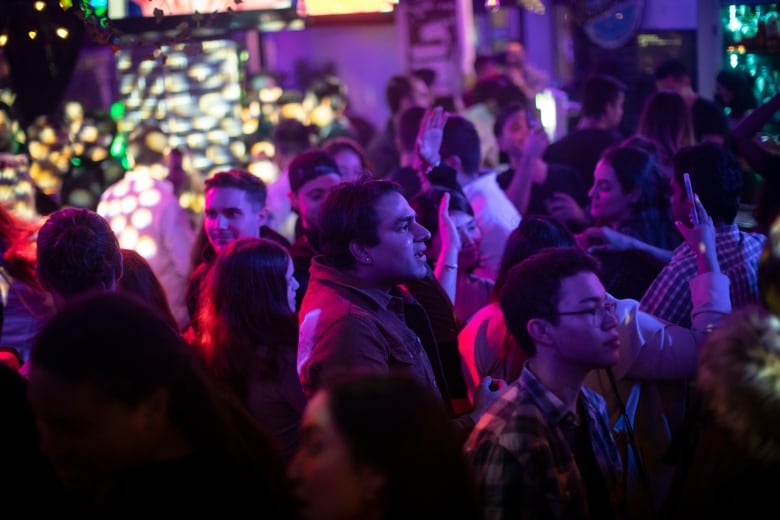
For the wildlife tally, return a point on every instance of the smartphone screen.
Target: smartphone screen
(691, 200)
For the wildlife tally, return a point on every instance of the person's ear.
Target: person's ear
(360, 253)
(293, 200)
(539, 330)
(262, 215)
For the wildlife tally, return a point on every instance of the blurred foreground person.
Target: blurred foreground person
(380, 447)
(131, 425)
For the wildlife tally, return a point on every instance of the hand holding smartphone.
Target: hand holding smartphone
(691, 199)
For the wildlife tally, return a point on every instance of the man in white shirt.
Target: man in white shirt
(496, 216)
(145, 215)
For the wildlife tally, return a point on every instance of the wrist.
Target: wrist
(447, 266)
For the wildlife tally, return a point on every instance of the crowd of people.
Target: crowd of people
(426, 326)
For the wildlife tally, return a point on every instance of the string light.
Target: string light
(32, 33)
(62, 32)
(39, 5)
(3, 39)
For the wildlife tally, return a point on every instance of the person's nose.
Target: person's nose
(222, 222)
(467, 238)
(609, 319)
(421, 233)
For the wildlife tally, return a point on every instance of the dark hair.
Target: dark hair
(505, 113)
(426, 74)
(349, 214)
(336, 145)
(483, 60)
(291, 137)
(309, 165)
(534, 233)
(651, 220)
(398, 427)
(671, 68)
(399, 87)
(252, 185)
(426, 205)
(666, 119)
(490, 88)
(124, 352)
(246, 307)
(139, 279)
(77, 252)
(599, 92)
(716, 178)
(739, 83)
(409, 126)
(461, 139)
(532, 289)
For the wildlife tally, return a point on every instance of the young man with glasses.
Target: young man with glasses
(545, 448)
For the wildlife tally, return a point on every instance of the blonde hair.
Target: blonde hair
(739, 377)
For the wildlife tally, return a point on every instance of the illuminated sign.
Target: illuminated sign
(185, 7)
(334, 7)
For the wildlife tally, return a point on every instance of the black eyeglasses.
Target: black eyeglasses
(597, 314)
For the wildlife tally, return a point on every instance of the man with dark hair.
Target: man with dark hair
(709, 121)
(313, 175)
(146, 216)
(545, 449)
(496, 215)
(290, 138)
(402, 91)
(716, 179)
(602, 111)
(234, 208)
(77, 252)
(356, 317)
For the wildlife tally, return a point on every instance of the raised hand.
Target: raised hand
(450, 237)
(701, 238)
(430, 135)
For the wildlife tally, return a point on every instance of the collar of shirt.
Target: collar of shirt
(392, 300)
(553, 408)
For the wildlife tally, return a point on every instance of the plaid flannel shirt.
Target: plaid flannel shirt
(523, 462)
(669, 297)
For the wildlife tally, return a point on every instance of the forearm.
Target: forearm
(666, 351)
(662, 255)
(446, 272)
(752, 123)
(519, 189)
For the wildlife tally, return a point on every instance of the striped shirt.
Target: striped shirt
(669, 297)
(524, 462)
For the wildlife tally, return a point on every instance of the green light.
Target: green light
(117, 110)
(76, 161)
(119, 146)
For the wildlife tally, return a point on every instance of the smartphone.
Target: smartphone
(691, 199)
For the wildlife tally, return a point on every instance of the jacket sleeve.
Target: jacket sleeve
(656, 349)
(347, 345)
